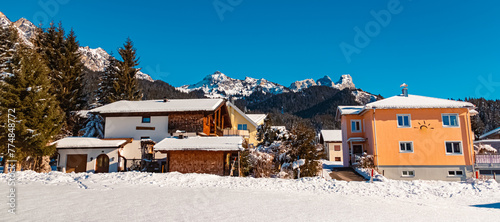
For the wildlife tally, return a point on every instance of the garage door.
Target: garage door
(76, 163)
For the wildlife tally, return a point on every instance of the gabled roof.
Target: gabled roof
(416, 102)
(87, 142)
(332, 135)
(257, 118)
(242, 113)
(225, 143)
(172, 105)
(347, 110)
(497, 130)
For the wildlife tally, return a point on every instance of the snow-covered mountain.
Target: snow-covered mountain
(344, 82)
(219, 85)
(94, 59)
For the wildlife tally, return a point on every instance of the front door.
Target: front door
(102, 164)
(357, 152)
(76, 163)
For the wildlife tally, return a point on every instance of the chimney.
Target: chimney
(405, 89)
(165, 99)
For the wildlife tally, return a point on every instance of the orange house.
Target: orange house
(411, 137)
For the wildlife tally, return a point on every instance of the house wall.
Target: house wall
(331, 153)
(209, 162)
(236, 119)
(91, 153)
(426, 172)
(428, 142)
(125, 127)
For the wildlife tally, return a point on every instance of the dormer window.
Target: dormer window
(146, 119)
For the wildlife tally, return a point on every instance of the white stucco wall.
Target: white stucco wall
(91, 153)
(125, 127)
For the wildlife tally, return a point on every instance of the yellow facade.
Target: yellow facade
(238, 117)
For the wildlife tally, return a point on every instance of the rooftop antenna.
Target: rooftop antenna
(405, 89)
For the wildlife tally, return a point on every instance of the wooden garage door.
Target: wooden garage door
(76, 163)
(211, 162)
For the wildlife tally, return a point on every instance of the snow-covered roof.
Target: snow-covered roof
(347, 110)
(257, 118)
(87, 142)
(242, 113)
(172, 105)
(332, 135)
(497, 130)
(416, 102)
(225, 143)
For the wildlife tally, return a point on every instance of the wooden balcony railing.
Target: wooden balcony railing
(232, 132)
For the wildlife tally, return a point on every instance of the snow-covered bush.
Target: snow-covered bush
(366, 161)
(484, 149)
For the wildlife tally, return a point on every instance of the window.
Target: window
(145, 137)
(408, 173)
(455, 173)
(404, 121)
(336, 148)
(453, 147)
(146, 119)
(338, 159)
(356, 126)
(450, 120)
(242, 126)
(406, 147)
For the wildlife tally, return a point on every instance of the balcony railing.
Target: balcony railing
(482, 159)
(233, 132)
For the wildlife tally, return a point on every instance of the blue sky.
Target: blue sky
(447, 49)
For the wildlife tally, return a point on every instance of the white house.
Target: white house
(332, 141)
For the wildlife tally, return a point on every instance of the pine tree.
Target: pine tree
(61, 55)
(125, 87)
(93, 126)
(106, 93)
(8, 42)
(265, 134)
(38, 113)
(301, 144)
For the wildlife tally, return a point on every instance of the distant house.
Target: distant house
(411, 137)
(138, 125)
(332, 141)
(212, 155)
(488, 154)
(244, 124)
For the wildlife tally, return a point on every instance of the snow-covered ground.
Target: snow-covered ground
(135, 196)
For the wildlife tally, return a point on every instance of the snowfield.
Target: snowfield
(135, 196)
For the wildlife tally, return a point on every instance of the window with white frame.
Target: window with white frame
(453, 173)
(356, 126)
(450, 120)
(404, 120)
(242, 127)
(408, 173)
(406, 147)
(453, 147)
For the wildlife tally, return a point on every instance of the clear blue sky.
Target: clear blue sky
(447, 49)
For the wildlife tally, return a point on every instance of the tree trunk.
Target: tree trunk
(5, 166)
(45, 164)
(18, 166)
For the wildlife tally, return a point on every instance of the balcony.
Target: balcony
(233, 132)
(488, 160)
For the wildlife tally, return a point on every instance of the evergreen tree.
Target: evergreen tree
(265, 134)
(93, 126)
(38, 113)
(106, 92)
(125, 87)
(60, 54)
(301, 144)
(8, 42)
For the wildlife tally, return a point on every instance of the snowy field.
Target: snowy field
(135, 196)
